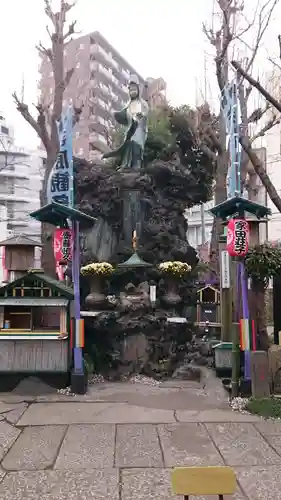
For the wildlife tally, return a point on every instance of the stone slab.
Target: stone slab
(61, 413)
(269, 427)
(4, 408)
(260, 483)
(137, 446)
(155, 484)
(10, 399)
(61, 485)
(14, 415)
(86, 447)
(275, 442)
(121, 413)
(35, 449)
(187, 444)
(215, 416)
(8, 435)
(91, 413)
(241, 444)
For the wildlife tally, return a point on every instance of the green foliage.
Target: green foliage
(263, 262)
(170, 136)
(160, 139)
(266, 407)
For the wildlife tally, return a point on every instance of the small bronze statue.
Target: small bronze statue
(134, 115)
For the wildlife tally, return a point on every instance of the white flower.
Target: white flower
(100, 268)
(175, 267)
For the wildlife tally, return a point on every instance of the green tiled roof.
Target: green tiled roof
(237, 204)
(56, 214)
(65, 290)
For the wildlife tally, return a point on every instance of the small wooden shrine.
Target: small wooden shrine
(34, 314)
(33, 341)
(208, 306)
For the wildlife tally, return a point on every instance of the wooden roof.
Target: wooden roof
(20, 240)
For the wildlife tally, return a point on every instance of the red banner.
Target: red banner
(62, 246)
(238, 233)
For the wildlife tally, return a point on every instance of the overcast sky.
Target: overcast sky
(157, 37)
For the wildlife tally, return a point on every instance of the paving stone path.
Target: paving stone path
(120, 441)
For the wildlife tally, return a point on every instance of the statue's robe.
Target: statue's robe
(130, 153)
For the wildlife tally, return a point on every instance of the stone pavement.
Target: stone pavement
(120, 442)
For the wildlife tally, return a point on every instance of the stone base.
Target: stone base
(79, 383)
(245, 388)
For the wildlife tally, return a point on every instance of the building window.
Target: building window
(77, 134)
(81, 46)
(51, 73)
(81, 151)
(4, 130)
(78, 64)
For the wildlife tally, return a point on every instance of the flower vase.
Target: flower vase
(171, 296)
(96, 299)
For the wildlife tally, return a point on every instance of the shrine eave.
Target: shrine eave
(133, 262)
(238, 206)
(57, 214)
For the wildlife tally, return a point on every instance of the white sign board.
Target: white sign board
(225, 269)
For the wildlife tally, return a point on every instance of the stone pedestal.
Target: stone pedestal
(131, 214)
(79, 382)
(260, 374)
(96, 299)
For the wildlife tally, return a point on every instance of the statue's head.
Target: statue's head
(134, 87)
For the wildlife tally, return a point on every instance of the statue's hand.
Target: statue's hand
(139, 116)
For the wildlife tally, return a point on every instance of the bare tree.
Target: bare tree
(45, 120)
(232, 31)
(258, 165)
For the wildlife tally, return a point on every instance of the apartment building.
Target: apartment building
(20, 183)
(100, 82)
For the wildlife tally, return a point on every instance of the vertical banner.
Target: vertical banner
(230, 109)
(60, 182)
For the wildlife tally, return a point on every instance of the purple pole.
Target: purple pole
(245, 307)
(77, 350)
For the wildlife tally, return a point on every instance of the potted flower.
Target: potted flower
(97, 272)
(173, 270)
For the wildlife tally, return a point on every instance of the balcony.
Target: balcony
(98, 50)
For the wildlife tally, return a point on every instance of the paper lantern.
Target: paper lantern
(237, 242)
(62, 246)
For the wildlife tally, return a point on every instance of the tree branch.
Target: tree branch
(70, 31)
(257, 85)
(68, 77)
(261, 172)
(45, 52)
(38, 126)
(263, 25)
(269, 125)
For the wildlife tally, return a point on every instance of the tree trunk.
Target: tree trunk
(259, 314)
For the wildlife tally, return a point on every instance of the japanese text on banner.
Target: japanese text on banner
(60, 183)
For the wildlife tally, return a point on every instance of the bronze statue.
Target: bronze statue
(134, 115)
